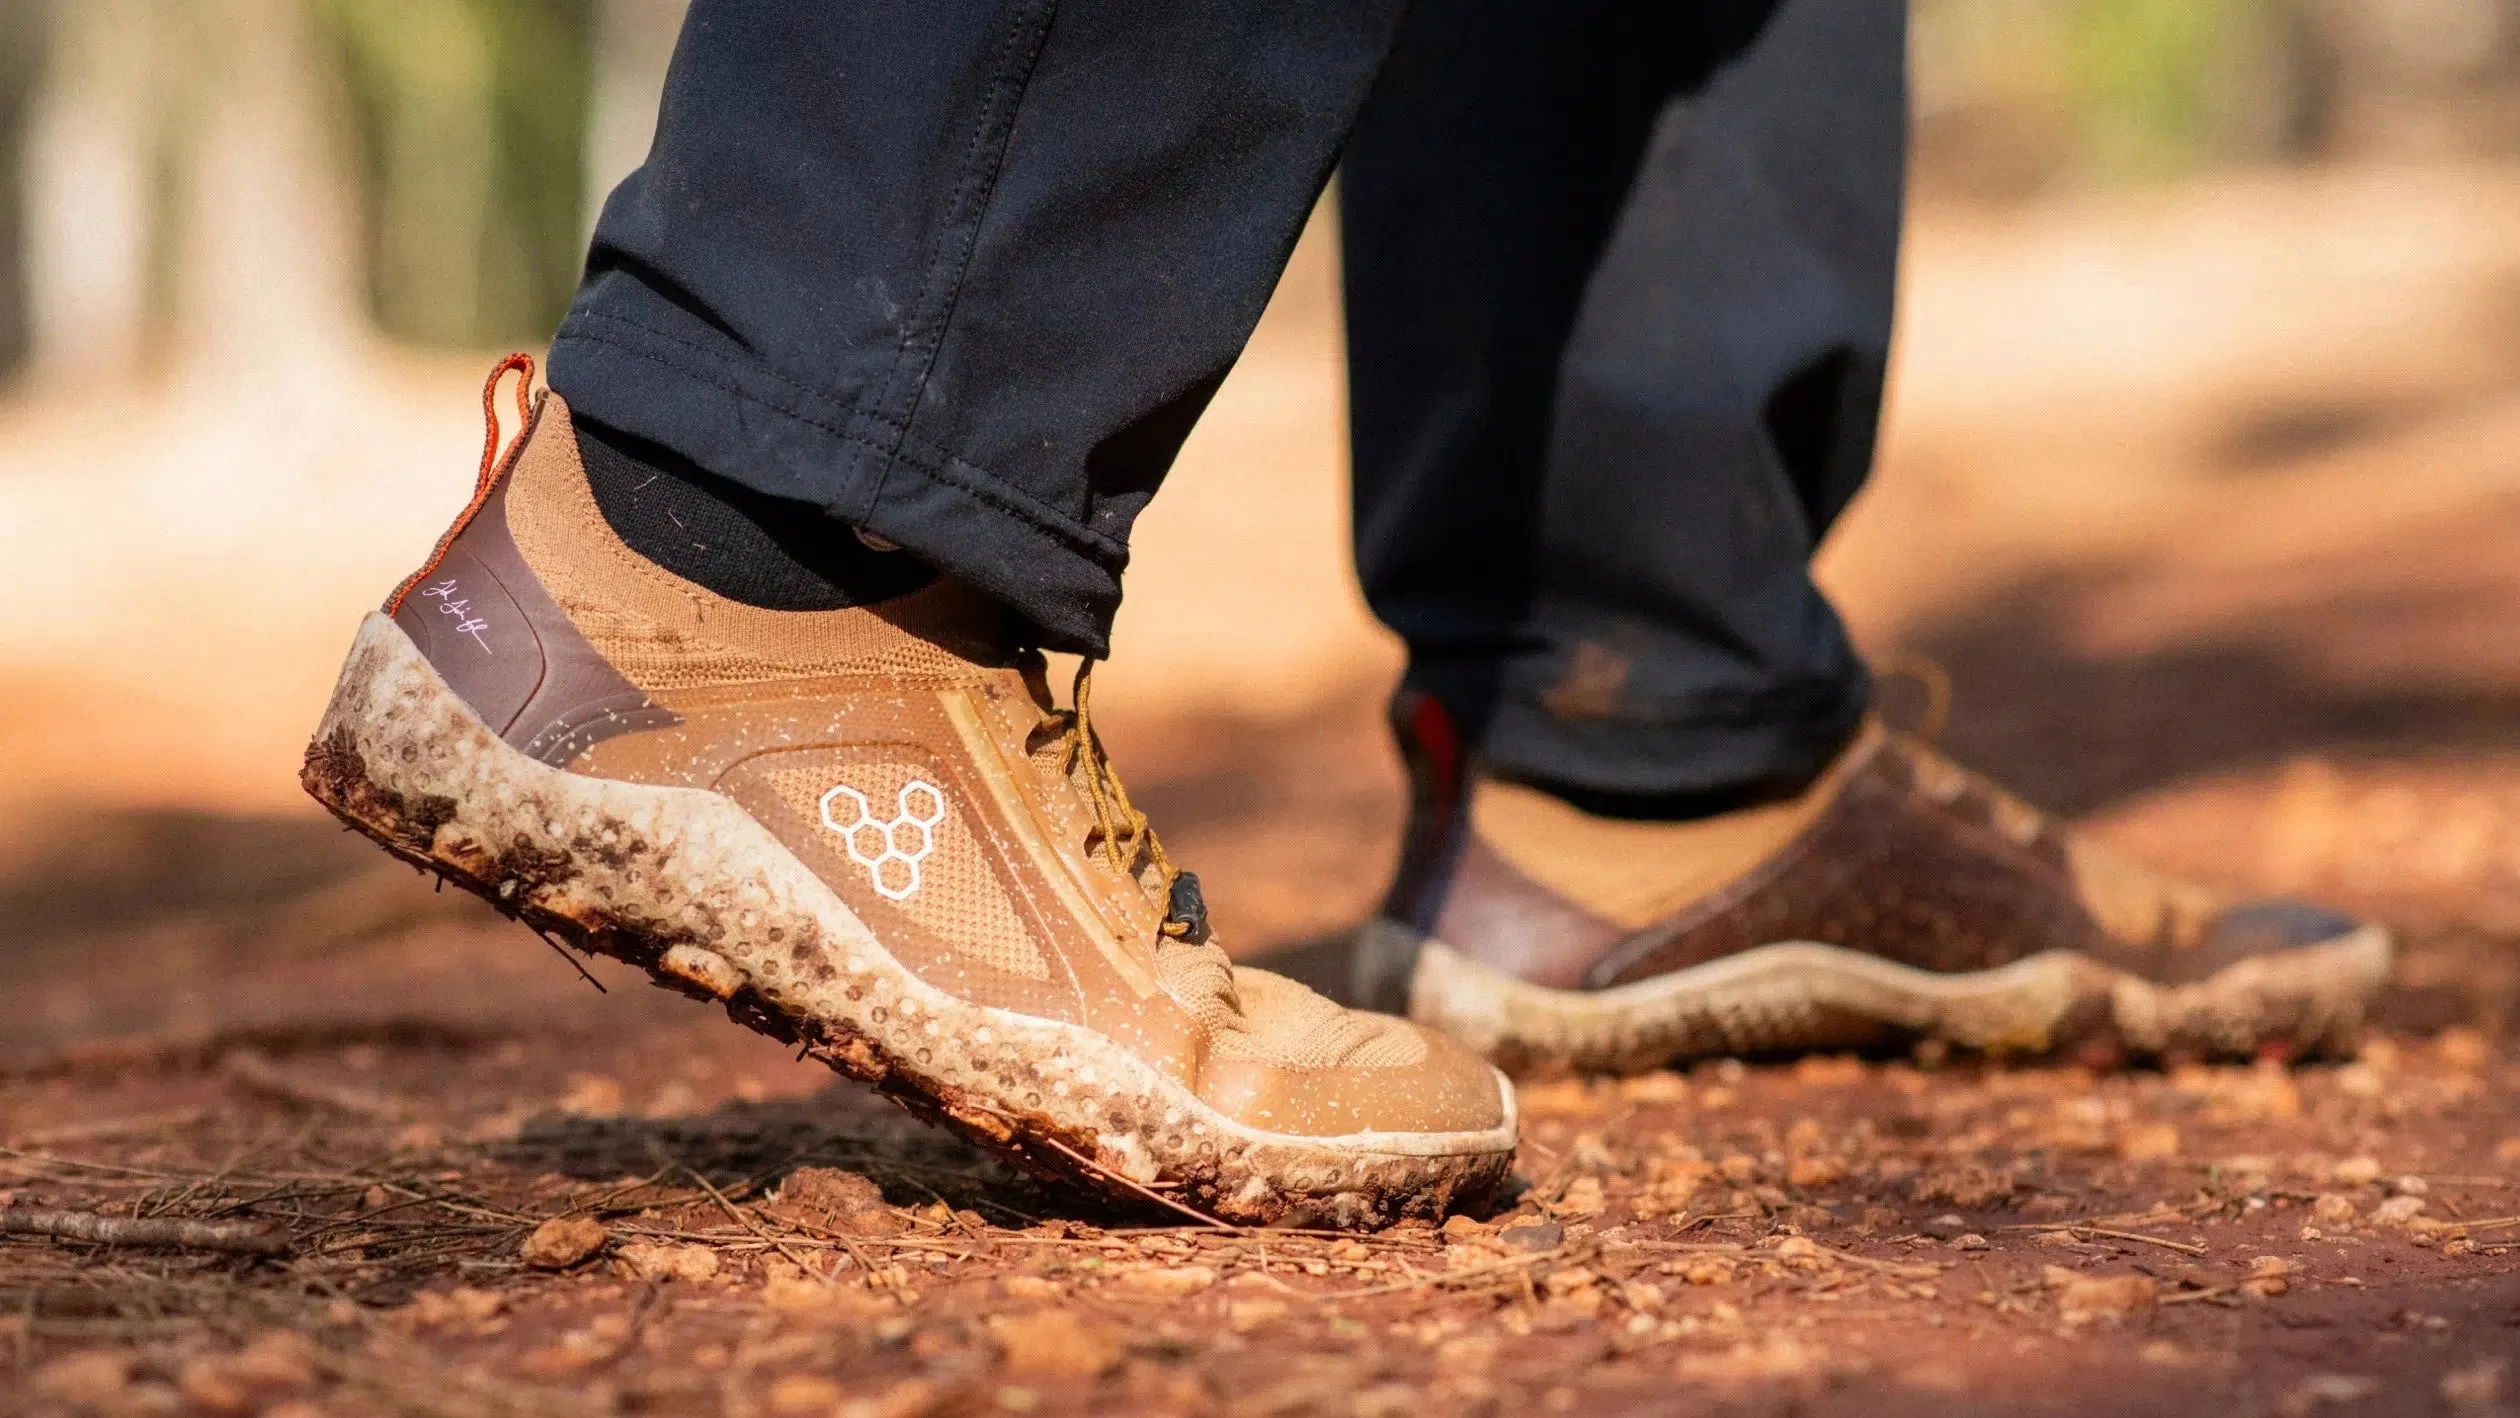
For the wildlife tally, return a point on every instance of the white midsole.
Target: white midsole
(1803, 994)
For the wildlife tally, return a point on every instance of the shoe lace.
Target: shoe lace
(1120, 829)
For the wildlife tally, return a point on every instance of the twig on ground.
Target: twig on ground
(46, 1159)
(1449, 1277)
(574, 963)
(1885, 1267)
(2491, 1223)
(2079, 1228)
(746, 1221)
(1154, 1196)
(155, 1232)
(260, 1075)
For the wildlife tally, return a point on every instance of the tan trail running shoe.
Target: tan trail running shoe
(1897, 894)
(868, 832)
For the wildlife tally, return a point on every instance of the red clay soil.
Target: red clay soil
(623, 1204)
(392, 1156)
(438, 1173)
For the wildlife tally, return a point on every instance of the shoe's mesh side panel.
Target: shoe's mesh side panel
(1283, 1023)
(954, 894)
(661, 659)
(1394, 1046)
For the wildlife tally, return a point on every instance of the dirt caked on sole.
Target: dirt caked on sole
(1803, 995)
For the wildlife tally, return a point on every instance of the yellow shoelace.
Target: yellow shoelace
(1122, 828)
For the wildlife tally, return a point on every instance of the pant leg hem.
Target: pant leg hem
(1778, 738)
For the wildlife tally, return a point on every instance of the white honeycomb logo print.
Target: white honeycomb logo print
(894, 869)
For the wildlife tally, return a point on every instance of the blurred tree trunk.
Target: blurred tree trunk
(260, 248)
(22, 50)
(95, 178)
(471, 122)
(634, 42)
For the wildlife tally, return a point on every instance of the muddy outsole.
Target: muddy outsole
(1799, 995)
(683, 884)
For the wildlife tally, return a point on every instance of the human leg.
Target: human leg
(863, 824)
(1620, 279)
(961, 275)
(1598, 436)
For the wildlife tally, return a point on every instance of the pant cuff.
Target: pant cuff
(1742, 743)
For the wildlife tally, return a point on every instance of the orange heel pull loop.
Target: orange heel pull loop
(493, 467)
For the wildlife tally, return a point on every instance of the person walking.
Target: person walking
(733, 666)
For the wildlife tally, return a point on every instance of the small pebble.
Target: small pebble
(562, 1242)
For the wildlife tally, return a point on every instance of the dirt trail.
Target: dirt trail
(2220, 562)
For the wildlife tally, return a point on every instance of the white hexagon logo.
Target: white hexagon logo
(891, 851)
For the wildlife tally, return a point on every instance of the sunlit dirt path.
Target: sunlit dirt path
(2208, 502)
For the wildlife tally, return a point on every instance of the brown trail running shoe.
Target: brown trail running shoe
(1898, 894)
(868, 832)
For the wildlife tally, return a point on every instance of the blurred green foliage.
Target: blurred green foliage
(470, 120)
(2143, 74)
(22, 47)
(2023, 93)
(2163, 86)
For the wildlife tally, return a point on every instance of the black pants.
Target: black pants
(1619, 279)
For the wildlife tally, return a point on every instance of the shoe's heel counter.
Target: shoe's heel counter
(459, 609)
(481, 614)
(1384, 957)
(1432, 752)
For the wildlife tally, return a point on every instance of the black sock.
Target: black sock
(763, 551)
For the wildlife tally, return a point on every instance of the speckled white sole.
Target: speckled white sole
(1796, 995)
(683, 883)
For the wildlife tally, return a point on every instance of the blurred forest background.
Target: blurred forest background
(2200, 477)
(2198, 472)
(448, 155)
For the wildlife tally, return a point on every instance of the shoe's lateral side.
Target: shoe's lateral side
(868, 832)
(1898, 893)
